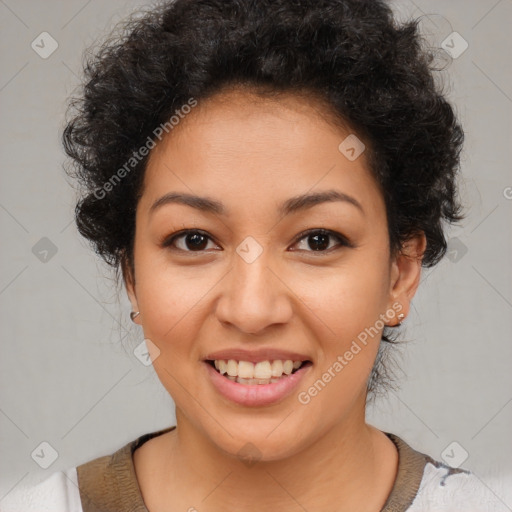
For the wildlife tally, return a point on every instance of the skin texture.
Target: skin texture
(252, 155)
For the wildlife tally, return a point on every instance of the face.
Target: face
(252, 272)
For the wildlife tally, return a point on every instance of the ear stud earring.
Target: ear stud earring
(400, 317)
(134, 315)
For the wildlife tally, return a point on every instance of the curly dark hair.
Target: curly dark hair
(369, 71)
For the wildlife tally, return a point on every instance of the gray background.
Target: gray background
(68, 375)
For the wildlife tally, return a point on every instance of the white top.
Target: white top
(57, 493)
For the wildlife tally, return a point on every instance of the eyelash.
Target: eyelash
(343, 241)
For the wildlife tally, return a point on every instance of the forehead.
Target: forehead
(237, 113)
(240, 146)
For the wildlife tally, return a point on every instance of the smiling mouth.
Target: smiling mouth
(263, 372)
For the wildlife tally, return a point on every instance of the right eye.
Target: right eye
(189, 240)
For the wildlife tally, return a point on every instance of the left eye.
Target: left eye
(318, 240)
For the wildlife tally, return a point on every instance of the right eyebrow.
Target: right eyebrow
(204, 204)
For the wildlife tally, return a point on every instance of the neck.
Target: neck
(353, 465)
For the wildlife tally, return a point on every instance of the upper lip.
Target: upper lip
(263, 354)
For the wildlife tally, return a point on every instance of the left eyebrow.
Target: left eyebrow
(305, 201)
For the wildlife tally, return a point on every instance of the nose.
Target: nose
(253, 297)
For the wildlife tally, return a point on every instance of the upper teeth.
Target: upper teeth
(261, 370)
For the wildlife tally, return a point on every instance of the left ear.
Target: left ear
(405, 275)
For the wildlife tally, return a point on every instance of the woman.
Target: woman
(270, 177)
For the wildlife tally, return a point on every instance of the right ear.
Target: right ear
(129, 283)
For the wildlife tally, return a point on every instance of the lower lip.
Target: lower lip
(254, 395)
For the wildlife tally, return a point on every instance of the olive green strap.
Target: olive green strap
(411, 465)
(109, 484)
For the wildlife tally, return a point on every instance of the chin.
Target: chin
(258, 443)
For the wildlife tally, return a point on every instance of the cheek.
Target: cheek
(173, 316)
(346, 299)
(170, 304)
(345, 324)
(163, 294)
(341, 310)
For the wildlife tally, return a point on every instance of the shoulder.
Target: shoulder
(110, 482)
(57, 493)
(446, 489)
(427, 485)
